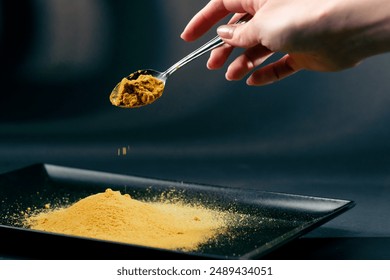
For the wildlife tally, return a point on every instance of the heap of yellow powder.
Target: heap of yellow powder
(116, 217)
(132, 93)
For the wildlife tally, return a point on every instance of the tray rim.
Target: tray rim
(45, 167)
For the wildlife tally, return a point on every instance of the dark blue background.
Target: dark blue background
(323, 134)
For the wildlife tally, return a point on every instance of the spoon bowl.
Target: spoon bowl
(116, 94)
(159, 75)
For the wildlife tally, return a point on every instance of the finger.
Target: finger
(219, 56)
(236, 17)
(204, 20)
(213, 12)
(274, 72)
(246, 62)
(241, 35)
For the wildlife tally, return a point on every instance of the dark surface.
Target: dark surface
(315, 134)
(335, 248)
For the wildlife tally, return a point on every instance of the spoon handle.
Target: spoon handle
(210, 45)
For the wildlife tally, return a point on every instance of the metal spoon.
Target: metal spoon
(163, 76)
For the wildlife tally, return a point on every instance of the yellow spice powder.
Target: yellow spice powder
(116, 217)
(137, 92)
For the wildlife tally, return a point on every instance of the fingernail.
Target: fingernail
(225, 31)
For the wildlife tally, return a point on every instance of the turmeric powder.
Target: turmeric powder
(112, 216)
(132, 93)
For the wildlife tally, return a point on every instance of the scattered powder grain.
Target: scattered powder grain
(123, 151)
(132, 93)
(116, 217)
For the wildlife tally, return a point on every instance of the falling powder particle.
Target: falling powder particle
(123, 151)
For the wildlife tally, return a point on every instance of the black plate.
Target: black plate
(274, 218)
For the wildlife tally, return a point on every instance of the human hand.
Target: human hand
(319, 35)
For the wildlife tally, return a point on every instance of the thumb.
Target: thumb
(239, 35)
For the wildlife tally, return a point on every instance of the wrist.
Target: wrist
(363, 28)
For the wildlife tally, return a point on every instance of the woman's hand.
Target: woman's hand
(319, 35)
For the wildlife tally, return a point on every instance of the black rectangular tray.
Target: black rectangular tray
(275, 218)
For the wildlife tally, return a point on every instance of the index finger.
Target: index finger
(207, 17)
